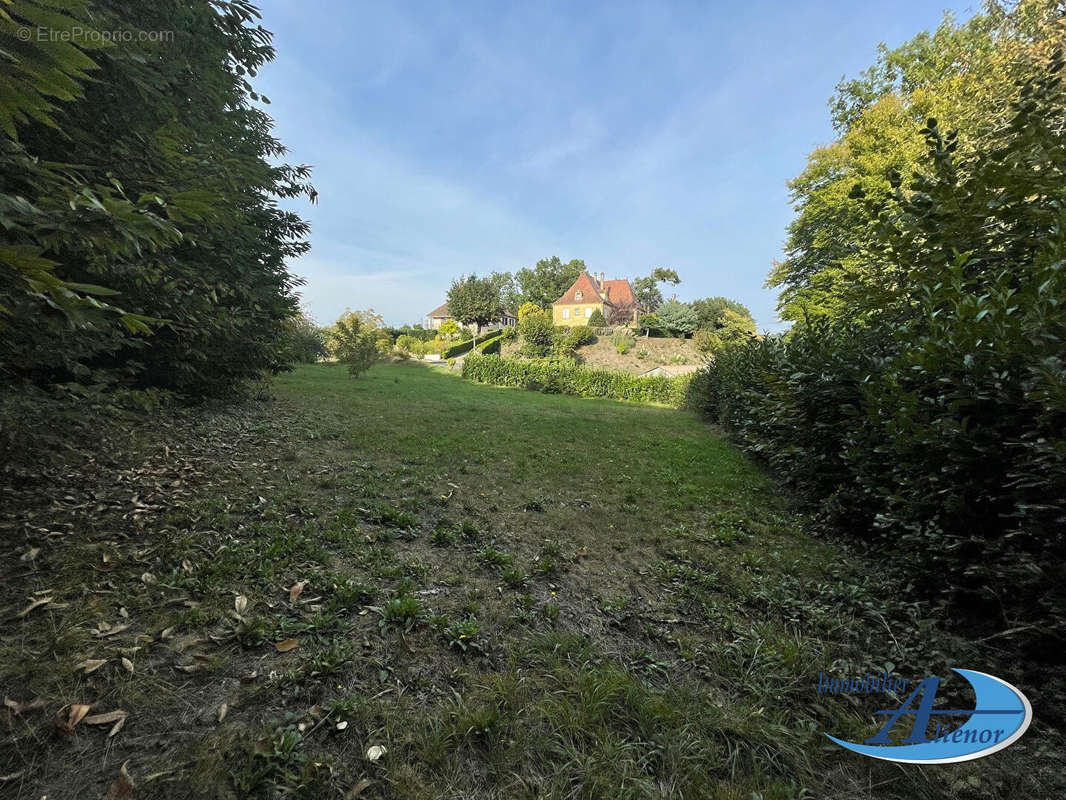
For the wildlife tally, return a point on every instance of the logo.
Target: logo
(1001, 714)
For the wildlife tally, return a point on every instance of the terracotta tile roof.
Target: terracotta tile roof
(587, 287)
(439, 311)
(619, 293)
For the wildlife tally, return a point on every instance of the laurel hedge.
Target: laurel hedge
(562, 377)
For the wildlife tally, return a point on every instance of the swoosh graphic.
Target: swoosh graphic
(991, 693)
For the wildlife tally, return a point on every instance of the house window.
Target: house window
(578, 295)
(566, 313)
(588, 312)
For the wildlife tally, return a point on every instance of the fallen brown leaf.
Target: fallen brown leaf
(103, 634)
(21, 708)
(121, 787)
(127, 664)
(240, 604)
(295, 590)
(287, 645)
(69, 716)
(222, 709)
(106, 719)
(91, 665)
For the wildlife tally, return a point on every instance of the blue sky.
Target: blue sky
(449, 138)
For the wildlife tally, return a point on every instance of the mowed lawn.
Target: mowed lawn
(409, 586)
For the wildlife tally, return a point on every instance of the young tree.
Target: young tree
(526, 309)
(548, 280)
(354, 340)
(474, 300)
(448, 329)
(597, 319)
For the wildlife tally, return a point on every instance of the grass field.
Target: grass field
(515, 595)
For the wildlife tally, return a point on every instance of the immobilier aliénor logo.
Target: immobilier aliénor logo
(1001, 714)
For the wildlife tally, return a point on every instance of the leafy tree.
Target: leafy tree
(507, 286)
(548, 280)
(734, 327)
(354, 340)
(172, 205)
(597, 319)
(306, 341)
(646, 290)
(448, 329)
(706, 341)
(537, 334)
(678, 318)
(474, 300)
(528, 308)
(710, 311)
(965, 75)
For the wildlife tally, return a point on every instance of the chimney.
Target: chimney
(601, 280)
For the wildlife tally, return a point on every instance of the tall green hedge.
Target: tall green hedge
(932, 423)
(558, 377)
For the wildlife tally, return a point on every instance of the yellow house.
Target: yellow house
(613, 299)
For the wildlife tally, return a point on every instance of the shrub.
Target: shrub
(407, 343)
(354, 342)
(557, 376)
(537, 334)
(706, 341)
(580, 335)
(597, 320)
(623, 342)
(649, 323)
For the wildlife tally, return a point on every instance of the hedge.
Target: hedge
(556, 377)
(462, 347)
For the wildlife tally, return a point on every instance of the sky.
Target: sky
(450, 138)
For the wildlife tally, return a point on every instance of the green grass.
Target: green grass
(516, 594)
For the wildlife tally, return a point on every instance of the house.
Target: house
(613, 299)
(437, 317)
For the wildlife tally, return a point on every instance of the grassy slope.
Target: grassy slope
(517, 595)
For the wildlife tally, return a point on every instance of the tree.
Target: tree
(548, 280)
(354, 340)
(597, 319)
(678, 318)
(306, 342)
(965, 76)
(474, 300)
(168, 204)
(711, 310)
(528, 308)
(646, 290)
(507, 286)
(448, 329)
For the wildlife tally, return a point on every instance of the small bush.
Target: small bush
(706, 341)
(597, 320)
(623, 343)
